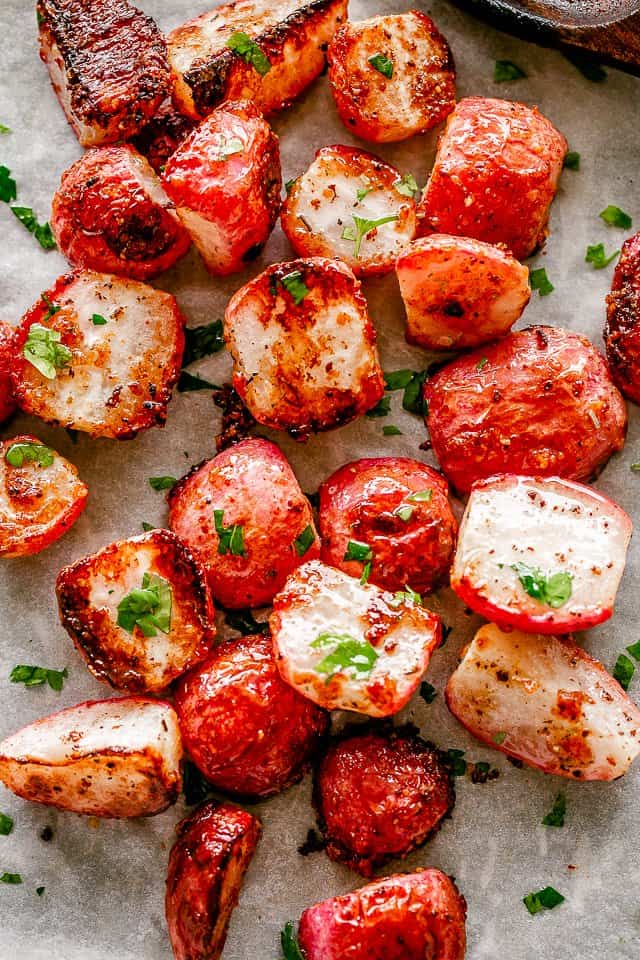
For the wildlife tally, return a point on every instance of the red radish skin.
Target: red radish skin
(622, 326)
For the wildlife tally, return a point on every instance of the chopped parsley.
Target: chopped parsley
(147, 607)
(623, 671)
(41, 231)
(505, 71)
(481, 364)
(499, 738)
(635, 467)
(230, 539)
(391, 431)
(188, 382)
(361, 228)
(228, 147)
(244, 622)
(250, 52)
(349, 653)
(10, 878)
(8, 189)
(572, 160)
(37, 676)
(555, 817)
(44, 351)
(304, 540)
(289, 185)
(6, 824)
(289, 943)
(553, 590)
(404, 511)
(545, 899)
(407, 185)
(596, 255)
(421, 496)
(202, 341)
(540, 281)
(40, 891)
(356, 550)
(295, 286)
(456, 762)
(148, 526)
(412, 399)
(4, 128)
(162, 483)
(52, 308)
(428, 692)
(98, 320)
(634, 650)
(363, 192)
(405, 596)
(398, 379)
(29, 452)
(382, 64)
(381, 409)
(616, 217)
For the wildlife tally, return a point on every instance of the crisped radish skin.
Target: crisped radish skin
(459, 292)
(391, 77)
(349, 646)
(413, 916)
(303, 346)
(538, 531)
(106, 758)
(41, 496)
(622, 327)
(7, 348)
(545, 701)
(341, 187)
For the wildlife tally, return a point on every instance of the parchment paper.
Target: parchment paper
(105, 880)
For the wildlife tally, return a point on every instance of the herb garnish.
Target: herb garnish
(202, 341)
(228, 147)
(52, 308)
(289, 185)
(381, 409)
(553, 590)
(295, 286)
(555, 817)
(404, 511)
(162, 483)
(8, 189)
(40, 891)
(540, 281)
(412, 399)
(499, 738)
(289, 943)
(481, 364)
(407, 185)
(98, 320)
(41, 231)
(10, 878)
(428, 692)
(6, 824)
(398, 379)
(29, 452)
(188, 382)
(147, 607)
(148, 526)
(349, 653)
(230, 539)
(405, 596)
(505, 71)
(37, 676)
(4, 128)
(616, 217)
(44, 351)
(572, 160)
(304, 540)
(456, 762)
(361, 228)
(596, 255)
(421, 496)
(623, 671)
(634, 650)
(250, 52)
(545, 899)
(391, 431)
(382, 64)
(362, 552)
(363, 192)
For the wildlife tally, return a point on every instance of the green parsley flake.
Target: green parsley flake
(412, 399)
(44, 351)
(230, 539)
(162, 483)
(250, 52)
(499, 738)
(483, 361)
(428, 692)
(635, 467)
(597, 256)
(540, 281)
(407, 185)
(572, 160)
(391, 431)
(289, 185)
(382, 64)
(361, 228)
(14, 878)
(356, 550)
(421, 496)
(295, 286)
(52, 308)
(98, 320)
(554, 590)
(555, 817)
(634, 650)
(245, 623)
(616, 217)
(398, 379)
(188, 383)
(4, 128)
(356, 656)
(41, 231)
(363, 192)
(404, 511)
(505, 71)
(456, 762)
(381, 409)
(29, 452)
(545, 899)
(147, 607)
(202, 341)
(303, 541)
(37, 676)
(40, 891)
(148, 526)
(405, 596)
(8, 189)
(623, 671)
(6, 824)
(289, 944)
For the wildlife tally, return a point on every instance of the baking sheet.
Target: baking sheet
(104, 881)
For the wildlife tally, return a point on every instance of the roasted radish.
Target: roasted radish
(100, 354)
(404, 917)
(392, 76)
(540, 554)
(459, 292)
(352, 205)
(347, 645)
(622, 327)
(392, 516)
(546, 702)
(244, 515)
(162, 135)
(7, 353)
(111, 214)
(107, 63)
(538, 402)
(225, 182)
(495, 175)
(207, 865)
(139, 611)
(106, 758)
(379, 794)
(303, 346)
(248, 732)
(267, 51)
(41, 496)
